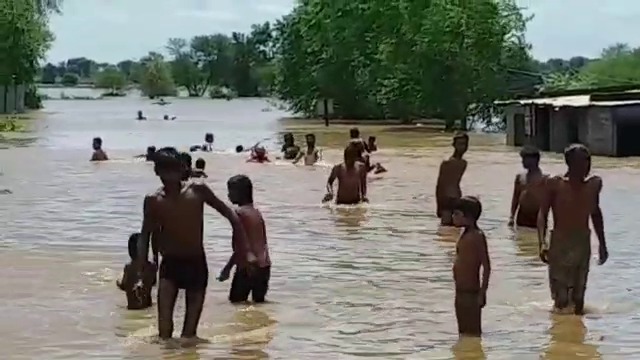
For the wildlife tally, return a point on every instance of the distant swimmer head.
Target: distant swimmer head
(140, 115)
(460, 143)
(208, 138)
(288, 138)
(239, 148)
(311, 139)
(530, 157)
(151, 150)
(466, 211)
(97, 143)
(240, 190)
(260, 152)
(578, 160)
(166, 117)
(133, 245)
(200, 164)
(354, 133)
(168, 165)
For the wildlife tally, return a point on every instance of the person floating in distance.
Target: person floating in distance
(98, 153)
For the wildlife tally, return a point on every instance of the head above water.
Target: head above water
(239, 148)
(460, 143)
(351, 154)
(371, 139)
(260, 152)
(166, 117)
(151, 149)
(133, 245)
(467, 211)
(354, 133)
(200, 164)
(208, 138)
(240, 190)
(97, 143)
(578, 160)
(168, 166)
(530, 157)
(311, 139)
(288, 138)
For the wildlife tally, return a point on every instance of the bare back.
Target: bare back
(350, 185)
(180, 219)
(254, 227)
(449, 178)
(531, 188)
(571, 205)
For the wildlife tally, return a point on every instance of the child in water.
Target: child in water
(98, 153)
(198, 172)
(137, 286)
(471, 254)
(248, 278)
(259, 155)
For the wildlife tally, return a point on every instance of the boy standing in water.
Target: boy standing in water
(352, 179)
(98, 153)
(255, 278)
(449, 177)
(177, 209)
(573, 198)
(289, 149)
(471, 254)
(208, 142)
(198, 172)
(137, 288)
(312, 154)
(528, 189)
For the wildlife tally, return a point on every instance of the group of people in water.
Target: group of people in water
(173, 225)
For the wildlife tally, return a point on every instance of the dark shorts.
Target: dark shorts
(185, 273)
(468, 312)
(256, 283)
(527, 219)
(352, 202)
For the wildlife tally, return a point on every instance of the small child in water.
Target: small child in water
(137, 286)
(248, 278)
(98, 153)
(259, 155)
(198, 172)
(471, 254)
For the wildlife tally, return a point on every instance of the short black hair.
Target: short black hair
(242, 186)
(288, 135)
(200, 163)
(208, 135)
(470, 206)
(151, 148)
(573, 149)
(461, 136)
(97, 140)
(167, 158)
(133, 245)
(372, 138)
(186, 158)
(310, 135)
(354, 133)
(239, 148)
(530, 151)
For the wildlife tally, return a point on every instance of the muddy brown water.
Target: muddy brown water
(347, 283)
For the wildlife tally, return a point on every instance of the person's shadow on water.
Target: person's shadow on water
(468, 348)
(567, 339)
(349, 217)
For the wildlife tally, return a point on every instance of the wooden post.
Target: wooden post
(325, 108)
(326, 112)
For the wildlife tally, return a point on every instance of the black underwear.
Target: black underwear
(256, 282)
(190, 273)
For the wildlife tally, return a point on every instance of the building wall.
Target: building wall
(12, 99)
(558, 126)
(600, 131)
(510, 112)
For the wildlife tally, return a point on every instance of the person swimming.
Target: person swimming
(289, 149)
(166, 117)
(239, 148)
(198, 172)
(207, 146)
(259, 155)
(151, 150)
(141, 116)
(98, 153)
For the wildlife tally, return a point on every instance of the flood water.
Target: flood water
(346, 283)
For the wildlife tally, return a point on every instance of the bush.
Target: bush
(70, 79)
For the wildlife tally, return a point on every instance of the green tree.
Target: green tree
(49, 74)
(70, 79)
(188, 67)
(155, 78)
(111, 78)
(401, 59)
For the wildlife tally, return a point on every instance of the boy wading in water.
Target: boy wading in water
(248, 278)
(98, 153)
(311, 154)
(528, 189)
(137, 288)
(177, 210)
(471, 254)
(449, 177)
(573, 198)
(352, 179)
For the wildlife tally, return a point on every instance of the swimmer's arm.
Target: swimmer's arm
(515, 198)
(596, 213)
(332, 179)
(485, 262)
(148, 227)
(543, 213)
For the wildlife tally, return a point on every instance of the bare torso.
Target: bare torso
(451, 172)
(532, 188)
(349, 183)
(572, 206)
(99, 155)
(180, 219)
(254, 227)
(466, 268)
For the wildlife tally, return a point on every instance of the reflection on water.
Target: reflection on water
(468, 348)
(347, 282)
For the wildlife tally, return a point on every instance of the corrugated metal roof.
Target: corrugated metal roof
(569, 101)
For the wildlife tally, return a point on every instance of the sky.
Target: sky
(114, 30)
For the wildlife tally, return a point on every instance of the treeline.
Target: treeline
(222, 65)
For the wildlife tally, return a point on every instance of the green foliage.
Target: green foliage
(155, 78)
(70, 79)
(111, 78)
(400, 59)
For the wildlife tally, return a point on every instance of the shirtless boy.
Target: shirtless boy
(177, 209)
(449, 177)
(352, 179)
(259, 155)
(572, 198)
(198, 172)
(98, 153)
(137, 288)
(254, 280)
(312, 154)
(528, 189)
(471, 254)
(289, 149)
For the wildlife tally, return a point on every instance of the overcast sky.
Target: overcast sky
(113, 30)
